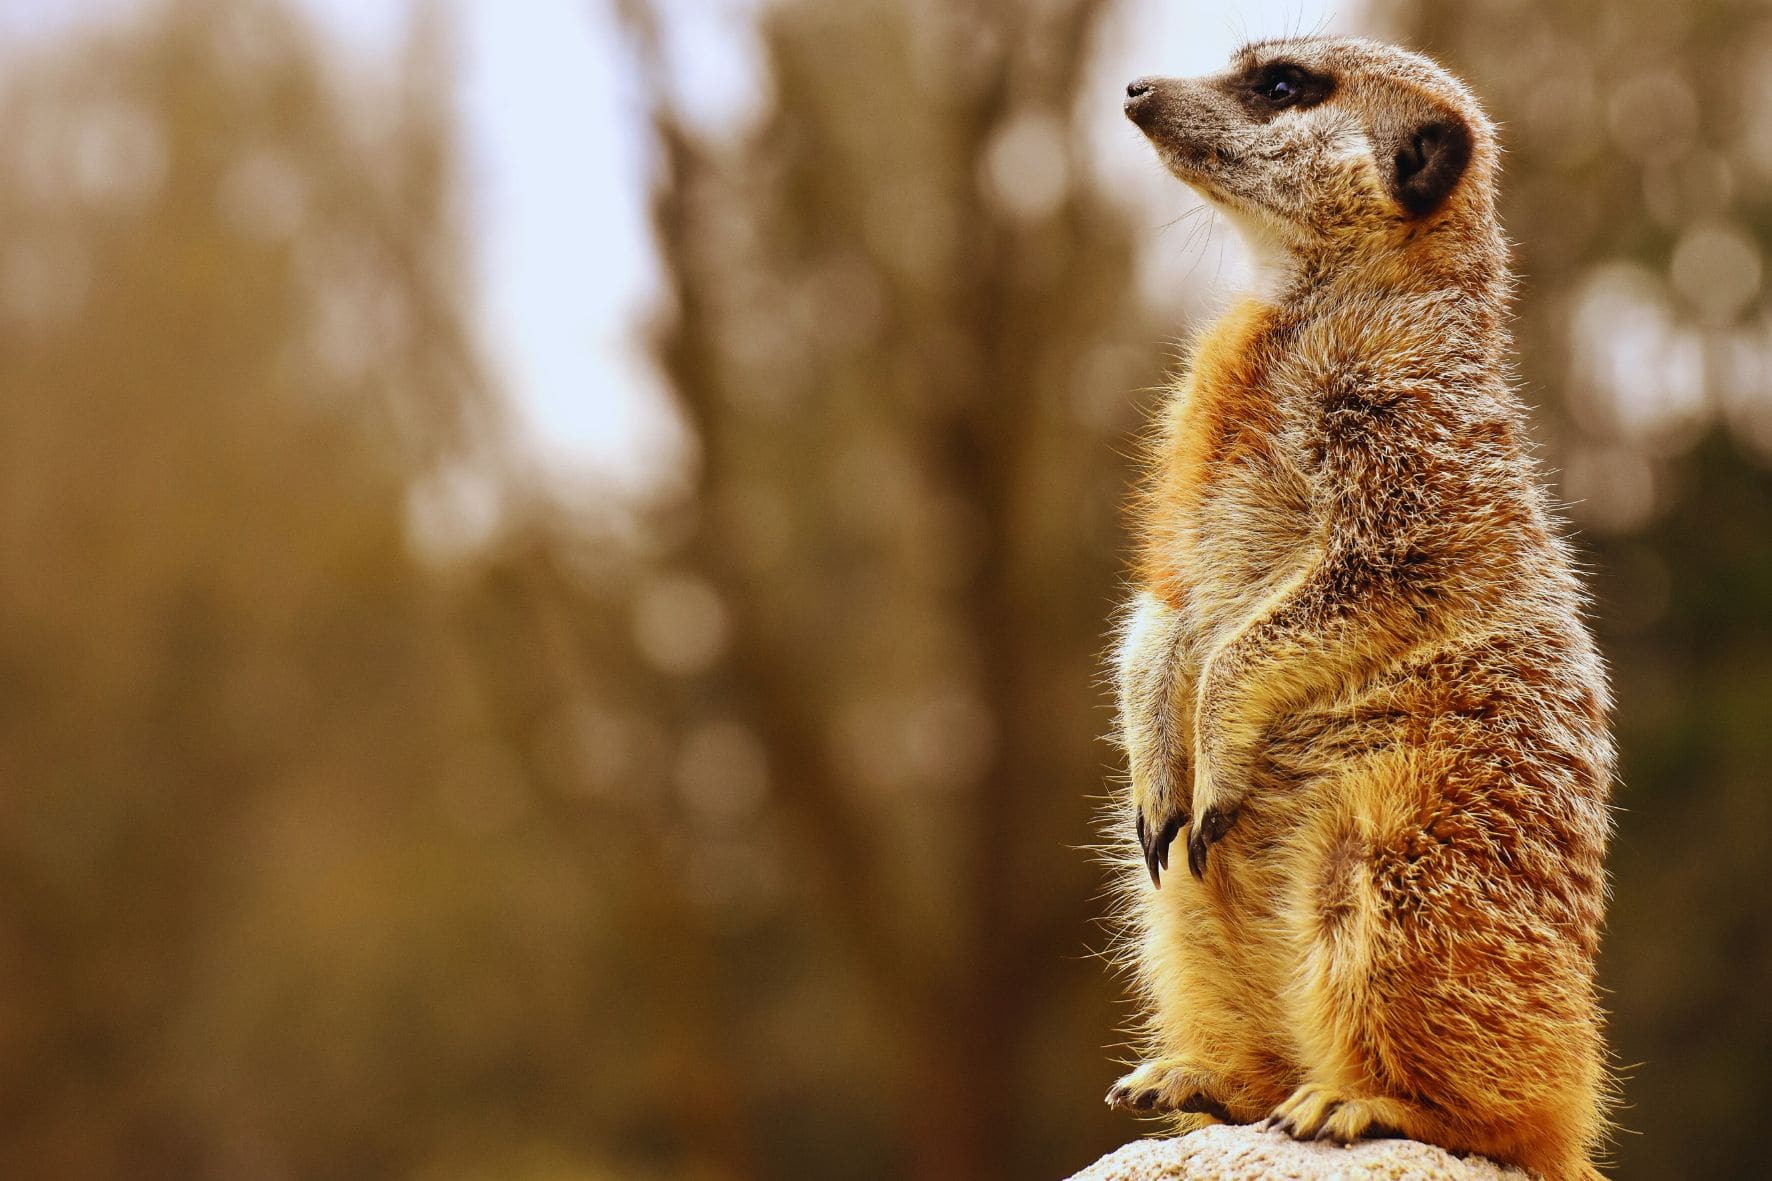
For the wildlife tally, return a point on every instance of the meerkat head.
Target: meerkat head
(1320, 147)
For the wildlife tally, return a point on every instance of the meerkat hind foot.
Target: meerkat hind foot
(1167, 1084)
(1323, 1113)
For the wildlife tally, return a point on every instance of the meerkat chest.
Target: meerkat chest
(1230, 506)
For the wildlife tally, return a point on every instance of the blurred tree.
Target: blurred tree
(277, 900)
(902, 330)
(1639, 142)
(370, 814)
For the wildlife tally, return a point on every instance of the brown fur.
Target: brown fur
(1355, 674)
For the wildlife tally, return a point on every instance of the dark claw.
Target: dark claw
(1196, 854)
(1324, 1132)
(1156, 852)
(1207, 1105)
(1145, 1100)
(1208, 832)
(1167, 836)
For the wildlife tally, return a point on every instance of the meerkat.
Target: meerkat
(1355, 682)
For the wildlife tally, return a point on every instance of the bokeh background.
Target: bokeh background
(555, 557)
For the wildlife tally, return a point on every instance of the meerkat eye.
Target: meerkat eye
(1279, 87)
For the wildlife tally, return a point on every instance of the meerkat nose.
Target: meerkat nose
(1138, 95)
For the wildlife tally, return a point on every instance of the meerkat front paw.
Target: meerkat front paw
(1215, 811)
(1157, 827)
(1208, 830)
(1168, 1084)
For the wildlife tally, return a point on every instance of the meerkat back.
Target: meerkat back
(1356, 687)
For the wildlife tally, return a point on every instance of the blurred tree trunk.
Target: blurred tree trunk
(893, 304)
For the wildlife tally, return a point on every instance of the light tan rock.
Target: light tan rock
(1225, 1152)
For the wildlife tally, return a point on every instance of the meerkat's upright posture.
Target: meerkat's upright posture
(1355, 681)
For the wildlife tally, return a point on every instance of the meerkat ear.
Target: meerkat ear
(1429, 158)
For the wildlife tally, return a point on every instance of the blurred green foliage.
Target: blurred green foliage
(368, 813)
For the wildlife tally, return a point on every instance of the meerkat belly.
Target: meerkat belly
(1230, 517)
(1254, 534)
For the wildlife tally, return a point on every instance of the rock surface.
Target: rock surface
(1225, 1152)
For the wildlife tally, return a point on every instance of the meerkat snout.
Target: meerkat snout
(1138, 94)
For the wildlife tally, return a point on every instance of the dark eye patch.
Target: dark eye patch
(1266, 90)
